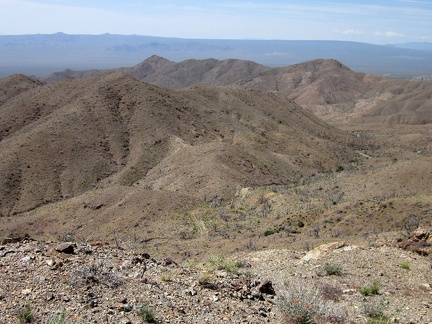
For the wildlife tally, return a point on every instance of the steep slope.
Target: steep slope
(113, 133)
(13, 85)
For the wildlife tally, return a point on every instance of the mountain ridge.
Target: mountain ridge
(326, 87)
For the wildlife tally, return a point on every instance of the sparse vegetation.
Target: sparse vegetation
(270, 232)
(95, 274)
(216, 262)
(146, 314)
(25, 314)
(330, 269)
(330, 292)
(59, 318)
(302, 303)
(406, 265)
(189, 233)
(206, 279)
(370, 290)
(375, 310)
(166, 276)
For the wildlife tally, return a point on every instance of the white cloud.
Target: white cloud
(352, 32)
(424, 38)
(389, 34)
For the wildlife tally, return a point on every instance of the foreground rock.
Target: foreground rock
(102, 284)
(99, 283)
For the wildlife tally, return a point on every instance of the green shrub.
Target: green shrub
(330, 269)
(379, 320)
(146, 314)
(405, 265)
(216, 262)
(24, 314)
(370, 290)
(269, 232)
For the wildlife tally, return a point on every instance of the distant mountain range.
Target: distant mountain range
(43, 54)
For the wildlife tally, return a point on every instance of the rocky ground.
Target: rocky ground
(48, 282)
(98, 283)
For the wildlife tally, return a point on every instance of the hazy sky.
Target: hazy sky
(379, 22)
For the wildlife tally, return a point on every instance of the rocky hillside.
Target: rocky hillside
(114, 138)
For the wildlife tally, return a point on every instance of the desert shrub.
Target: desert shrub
(146, 314)
(167, 276)
(251, 246)
(330, 269)
(67, 237)
(206, 280)
(405, 265)
(302, 303)
(379, 320)
(330, 292)
(334, 314)
(375, 310)
(59, 318)
(410, 223)
(25, 314)
(299, 304)
(270, 232)
(190, 233)
(216, 262)
(370, 290)
(96, 273)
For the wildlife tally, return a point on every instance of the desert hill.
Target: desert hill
(115, 139)
(204, 72)
(340, 95)
(15, 84)
(325, 87)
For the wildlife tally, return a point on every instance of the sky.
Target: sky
(376, 22)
